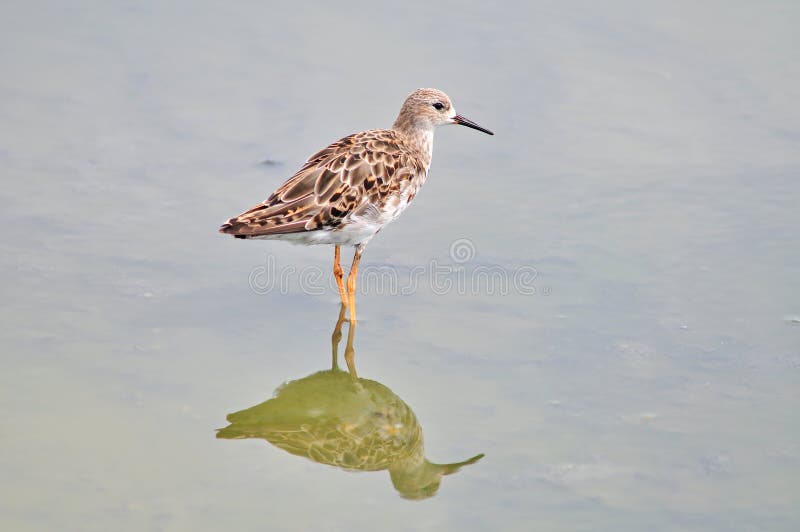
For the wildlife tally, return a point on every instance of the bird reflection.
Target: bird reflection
(335, 417)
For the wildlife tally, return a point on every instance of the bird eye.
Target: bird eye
(438, 106)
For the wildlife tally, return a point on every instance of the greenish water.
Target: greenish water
(602, 299)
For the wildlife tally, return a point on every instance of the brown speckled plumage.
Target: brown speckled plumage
(352, 176)
(345, 193)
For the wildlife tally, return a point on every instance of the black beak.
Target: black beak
(458, 119)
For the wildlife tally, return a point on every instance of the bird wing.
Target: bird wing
(347, 177)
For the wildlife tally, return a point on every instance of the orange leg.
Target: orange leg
(338, 273)
(351, 283)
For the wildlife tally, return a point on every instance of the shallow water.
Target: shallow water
(602, 298)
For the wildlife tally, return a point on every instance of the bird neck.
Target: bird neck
(420, 139)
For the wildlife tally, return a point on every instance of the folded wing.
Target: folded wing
(348, 176)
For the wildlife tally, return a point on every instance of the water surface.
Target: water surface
(645, 167)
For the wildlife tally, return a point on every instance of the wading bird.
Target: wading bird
(345, 193)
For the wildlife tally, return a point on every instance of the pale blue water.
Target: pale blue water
(645, 166)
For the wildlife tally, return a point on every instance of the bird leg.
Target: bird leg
(338, 273)
(351, 283)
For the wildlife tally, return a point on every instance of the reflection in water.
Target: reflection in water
(334, 417)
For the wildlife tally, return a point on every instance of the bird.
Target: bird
(347, 192)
